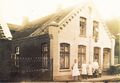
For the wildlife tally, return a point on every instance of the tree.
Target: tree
(114, 27)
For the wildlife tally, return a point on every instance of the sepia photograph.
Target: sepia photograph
(60, 41)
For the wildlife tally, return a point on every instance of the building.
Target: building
(5, 50)
(48, 46)
(4, 31)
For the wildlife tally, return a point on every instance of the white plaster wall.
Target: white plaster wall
(71, 34)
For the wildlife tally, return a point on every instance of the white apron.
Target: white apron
(90, 69)
(84, 69)
(75, 71)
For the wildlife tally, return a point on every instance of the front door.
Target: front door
(106, 58)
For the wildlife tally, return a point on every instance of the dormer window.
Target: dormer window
(82, 26)
(95, 30)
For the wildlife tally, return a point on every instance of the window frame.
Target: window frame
(81, 54)
(17, 50)
(97, 54)
(44, 56)
(83, 23)
(64, 55)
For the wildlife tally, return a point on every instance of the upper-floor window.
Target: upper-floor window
(81, 54)
(95, 30)
(82, 26)
(64, 55)
(45, 54)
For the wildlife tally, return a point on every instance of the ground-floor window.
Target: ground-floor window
(64, 55)
(45, 54)
(96, 54)
(81, 54)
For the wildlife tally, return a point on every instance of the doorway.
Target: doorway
(106, 58)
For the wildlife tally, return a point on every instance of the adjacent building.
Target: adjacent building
(4, 31)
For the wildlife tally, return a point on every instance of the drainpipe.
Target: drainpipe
(112, 51)
(90, 55)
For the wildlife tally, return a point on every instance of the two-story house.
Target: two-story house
(50, 44)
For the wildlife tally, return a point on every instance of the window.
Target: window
(44, 57)
(95, 30)
(16, 56)
(81, 54)
(17, 50)
(96, 53)
(64, 55)
(82, 26)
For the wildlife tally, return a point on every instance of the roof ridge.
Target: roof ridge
(52, 19)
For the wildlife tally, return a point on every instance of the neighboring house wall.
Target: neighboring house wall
(31, 59)
(5, 62)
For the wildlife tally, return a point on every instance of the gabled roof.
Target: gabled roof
(35, 26)
(14, 26)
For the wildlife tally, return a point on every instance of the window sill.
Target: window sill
(82, 36)
(65, 70)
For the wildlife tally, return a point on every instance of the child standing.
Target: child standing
(75, 70)
(90, 70)
(100, 71)
(84, 70)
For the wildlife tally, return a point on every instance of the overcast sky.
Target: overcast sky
(14, 10)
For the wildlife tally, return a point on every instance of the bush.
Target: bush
(114, 69)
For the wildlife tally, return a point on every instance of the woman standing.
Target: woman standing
(75, 70)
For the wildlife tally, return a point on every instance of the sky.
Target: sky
(13, 11)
